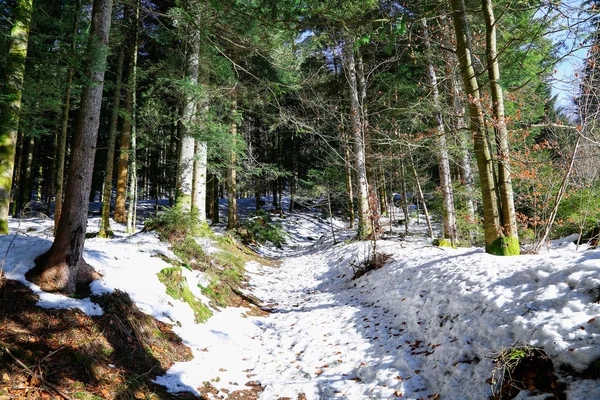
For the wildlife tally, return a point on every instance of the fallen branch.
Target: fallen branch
(34, 375)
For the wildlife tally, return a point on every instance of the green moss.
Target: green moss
(188, 250)
(504, 246)
(442, 243)
(106, 233)
(178, 289)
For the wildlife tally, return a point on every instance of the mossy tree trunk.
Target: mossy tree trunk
(9, 117)
(494, 243)
(62, 268)
(505, 190)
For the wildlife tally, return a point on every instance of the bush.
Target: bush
(262, 229)
(174, 225)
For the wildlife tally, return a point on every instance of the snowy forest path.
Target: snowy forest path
(321, 340)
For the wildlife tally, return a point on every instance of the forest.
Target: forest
(442, 133)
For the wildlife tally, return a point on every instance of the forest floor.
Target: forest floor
(430, 322)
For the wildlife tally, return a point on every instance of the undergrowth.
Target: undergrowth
(261, 228)
(523, 367)
(224, 268)
(178, 289)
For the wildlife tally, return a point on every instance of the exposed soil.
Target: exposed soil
(54, 354)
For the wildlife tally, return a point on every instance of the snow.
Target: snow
(428, 322)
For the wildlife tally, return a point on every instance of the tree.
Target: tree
(185, 174)
(364, 226)
(105, 230)
(62, 267)
(510, 242)
(449, 216)
(9, 118)
(493, 231)
(61, 142)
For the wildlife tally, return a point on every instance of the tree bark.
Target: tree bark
(185, 175)
(449, 216)
(9, 117)
(493, 231)
(200, 166)
(125, 148)
(232, 222)
(364, 229)
(24, 168)
(466, 174)
(105, 230)
(62, 267)
(508, 215)
(215, 199)
(133, 181)
(62, 139)
(418, 183)
(348, 177)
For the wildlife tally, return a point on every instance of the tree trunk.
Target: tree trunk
(508, 216)
(215, 199)
(558, 198)
(9, 118)
(494, 243)
(62, 140)
(449, 216)
(367, 137)
(418, 183)
(24, 168)
(348, 177)
(185, 175)
(209, 196)
(364, 227)
(200, 165)
(17, 174)
(62, 267)
(125, 148)
(466, 174)
(105, 230)
(404, 197)
(232, 222)
(133, 181)
(382, 189)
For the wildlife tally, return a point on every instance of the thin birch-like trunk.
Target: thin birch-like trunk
(449, 216)
(364, 229)
(466, 174)
(133, 183)
(404, 197)
(418, 183)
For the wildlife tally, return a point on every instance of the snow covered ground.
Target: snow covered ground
(427, 323)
